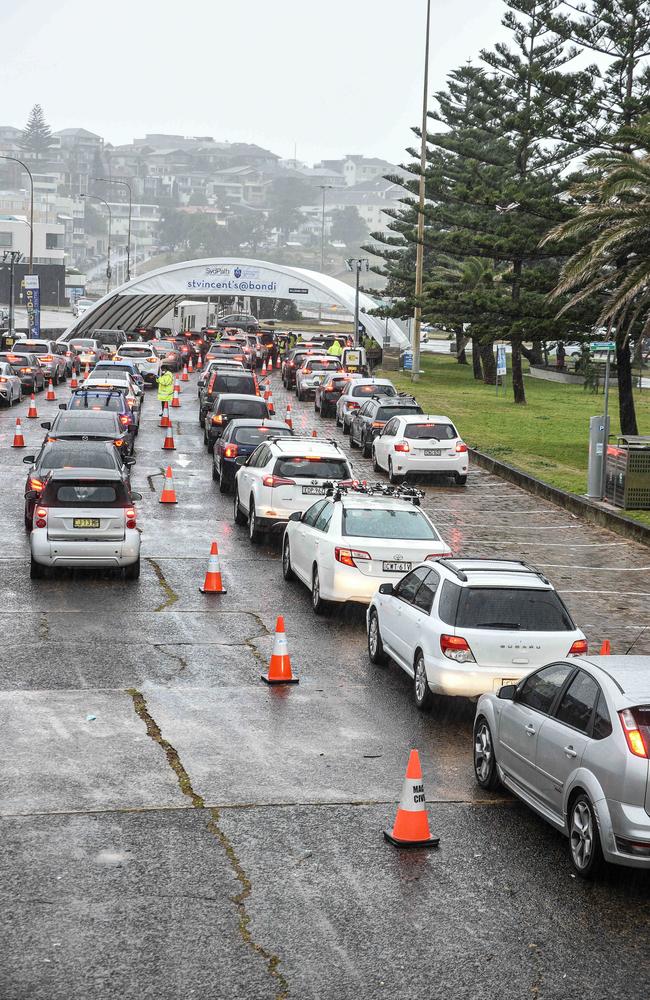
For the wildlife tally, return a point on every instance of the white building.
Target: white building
(49, 239)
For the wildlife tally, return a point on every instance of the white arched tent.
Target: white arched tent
(144, 301)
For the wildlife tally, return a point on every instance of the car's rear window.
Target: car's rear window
(29, 345)
(88, 401)
(513, 608)
(252, 407)
(425, 432)
(386, 412)
(255, 435)
(84, 493)
(71, 456)
(337, 383)
(322, 364)
(312, 468)
(84, 343)
(89, 422)
(110, 337)
(373, 522)
(233, 383)
(163, 345)
(374, 390)
(135, 351)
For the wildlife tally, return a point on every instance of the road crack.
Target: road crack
(214, 826)
(170, 593)
(173, 656)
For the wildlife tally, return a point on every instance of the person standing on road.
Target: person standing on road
(335, 350)
(165, 389)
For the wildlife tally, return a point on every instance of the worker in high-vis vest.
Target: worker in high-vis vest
(165, 389)
(336, 350)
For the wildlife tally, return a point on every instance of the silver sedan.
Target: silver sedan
(572, 740)
(11, 388)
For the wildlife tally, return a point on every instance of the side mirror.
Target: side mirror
(507, 692)
(46, 425)
(386, 588)
(136, 496)
(128, 461)
(63, 406)
(32, 495)
(296, 516)
(241, 459)
(29, 459)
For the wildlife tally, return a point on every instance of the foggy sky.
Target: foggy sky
(330, 76)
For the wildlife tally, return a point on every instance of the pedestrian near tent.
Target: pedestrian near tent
(165, 389)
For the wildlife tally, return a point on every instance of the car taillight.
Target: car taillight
(118, 442)
(3, 379)
(456, 648)
(130, 400)
(579, 648)
(46, 357)
(378, 423)
(41, 517)
(231, 451)
(171, 356)
(461, 446)
(34, 483)
(636, 735)
(154, 359)
(217, 418)
(402, 446)
(125, 420)
(130, 517)
(291, 364)
(348, 556)
(25, 371)
(273, 481)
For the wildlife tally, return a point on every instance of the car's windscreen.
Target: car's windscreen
(255, 435)
(234, 383)
(386, 412)
(312, 468)
(88, 401)
(252, 407)
(425, 432)
(84, 493)
(90, 422)
(74, 456)
(373, 522)
(512, 608)
(374, 390)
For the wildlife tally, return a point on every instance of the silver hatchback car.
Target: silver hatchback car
(572, 740)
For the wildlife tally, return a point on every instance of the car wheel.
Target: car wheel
(485, 764)
(132, 572)
(287, 571)
(460, 480)
(375, 645)
(215, 473)
(299, 396)
(584, 838)
(36, 571)
(353, 442)
(201, 420)
(224, 485)
(324, 411)
(365, 448)
(210, 446)
(28, 523)
(238, 516)
(421, 690)
(254, 533)
(392, 478)
(375, 463)
(338, 419)
(316, 407)
(319, 606)
(346, 427)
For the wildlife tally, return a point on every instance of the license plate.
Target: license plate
(85, 522)
(433, 451)
(313, 490)
(396, 567)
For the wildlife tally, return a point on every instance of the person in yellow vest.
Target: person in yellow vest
(336, 350)
(165, 389)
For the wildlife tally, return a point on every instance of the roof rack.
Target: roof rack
(462, 574)
(291, 439)
(378, 489)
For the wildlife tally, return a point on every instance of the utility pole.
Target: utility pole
(324, 188)
(419, 259)
(357, 264)
(11, 257)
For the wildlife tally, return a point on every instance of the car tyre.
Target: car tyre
(299, 396)
(375, 464)
(346, 427)
(394, 479)
(287, 571)
(365, 448)
(254, 533)
(215, 475)
(319, 606)
(209, 445)
(353, 443)
(584, 838)
(375, 645)
(460, 480)
(421, 691)
(485, 764)
(36, 571)
(132, 572)
(338, 420)
(224, 485)
(238, 516)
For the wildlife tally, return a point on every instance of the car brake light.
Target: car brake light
(25, 371)
(291, 364)
(125, 420)
(41, 517)
(461, 446)
(153, 360)
(3, 379)
(348, 556)
(454, 647)
(378, 423)
(35, 484)
(402, 446)
(130, 517)
(638, 744)
(130, 400)
(217, 418)
(171, 355)
(352, 404)
(274, 481)
(231, 451)
(46, 357)
(118, 442)
(579, 648)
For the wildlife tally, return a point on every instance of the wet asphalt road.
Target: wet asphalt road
(206, 836)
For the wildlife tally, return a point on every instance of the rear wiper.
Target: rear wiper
(498, 625)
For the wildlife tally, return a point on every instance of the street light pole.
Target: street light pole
(419, 258)
(324, 188)
(356, 264)
(12, 257)
(31, 207)
(111, 180)
(95, 197)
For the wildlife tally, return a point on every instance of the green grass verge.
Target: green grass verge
(548, 437)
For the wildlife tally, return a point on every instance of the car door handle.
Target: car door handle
(570, 752)
(530, 729)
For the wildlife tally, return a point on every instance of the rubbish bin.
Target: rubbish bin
(627, 473)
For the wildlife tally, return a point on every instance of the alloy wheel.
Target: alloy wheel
(483, 752)
(582, 834)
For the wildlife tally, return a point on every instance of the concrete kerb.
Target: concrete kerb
(580, 506)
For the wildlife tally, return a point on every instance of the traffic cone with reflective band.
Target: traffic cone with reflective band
(199, 363)
(271, 404)
(86, 371)
(184, 376)
(19, 440)
(287, 417)
(32, 412)
(50, 394)
(213, 584)
(164, 417)
(73, 380)
(278, 363)
(176, 401)
(280, 666)
(606, 648)
(190, 367)
(168, 494)
(168, 444)
(264, 367)
(411, 826)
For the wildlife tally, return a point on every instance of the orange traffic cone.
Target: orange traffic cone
(287, 418)
(19, 440)
(184, 376)
(168, 494)
(606, 648)
(176, 401)
(164, 417)
(314, 433)
(50, 395)
(73, 380)
(411, 826)
(264, 367)
(190, 367)
(32, 412)
(278, 363)
(199, 363)
(280, 665)
(271, 404)
(86, 371)
(213, 584)
(168, 444)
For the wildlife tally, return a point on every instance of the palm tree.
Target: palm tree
(612, 266)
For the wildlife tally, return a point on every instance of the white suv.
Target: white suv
(466, 626)
(143, 357)
(420, 444)
(285, 475)
(356, 392)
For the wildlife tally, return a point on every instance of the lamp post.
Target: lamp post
(419, 258)
(31, 206)
(357, 264)
(95, 197)
(11, 257)
(324, 188)
(111, 180)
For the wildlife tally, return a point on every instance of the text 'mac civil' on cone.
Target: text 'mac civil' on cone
(164, 418)
(168, 494)
(176, 401)
(19, 440)
(411, 826)
(606, 648)
(213, 583)
(279, 671)
(32, 412)
(168, 443)
(50, 394)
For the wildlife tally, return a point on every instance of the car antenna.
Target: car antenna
(645, 627)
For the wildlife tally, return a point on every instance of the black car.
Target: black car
(104, 401)
(370, 418)
(27, 368)
(241, 382)
(89, 425)
(244, 321)
(227, 407)
(295, 359)
(327, 393)
(70, 455)
(241, 437)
